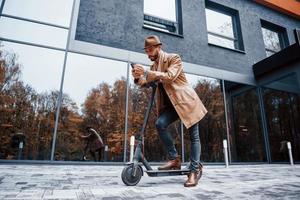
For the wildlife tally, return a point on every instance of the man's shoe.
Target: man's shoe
(194, 177)
(172, 164)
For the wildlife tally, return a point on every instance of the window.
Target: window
(31, 32)
(28, 99)
(138, 100)
(223, 27)
(212, 127)
(282, 107)
(94, 96)
(246, 137)
(164, 17)
(274, 37)
(41, 10)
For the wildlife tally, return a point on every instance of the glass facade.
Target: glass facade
(33, 33)
(282, 107)
(245, 124)
(212, 127)
(29, 90)
(30, 75)
(42, 11)
(94, 96)
(36, 69)
(138, 100)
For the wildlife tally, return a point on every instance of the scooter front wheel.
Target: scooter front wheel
(127, 175)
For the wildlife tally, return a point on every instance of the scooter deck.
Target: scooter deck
(155, 173)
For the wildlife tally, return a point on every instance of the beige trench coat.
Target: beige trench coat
(169, 71)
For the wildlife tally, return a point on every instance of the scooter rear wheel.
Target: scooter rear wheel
(128, 178)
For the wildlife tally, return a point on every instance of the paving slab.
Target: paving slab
(93, 182)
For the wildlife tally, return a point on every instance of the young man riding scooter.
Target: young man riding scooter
(175, 99)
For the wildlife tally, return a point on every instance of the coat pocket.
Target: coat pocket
(183, 96)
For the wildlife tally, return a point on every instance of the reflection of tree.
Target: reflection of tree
(283, 116)
(138, 102)
(23, 110)
(271, 41)
(104, 110)
(212, 127)
(226, 29)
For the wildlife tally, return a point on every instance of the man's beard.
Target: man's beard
(153, 58)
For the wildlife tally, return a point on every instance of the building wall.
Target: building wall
(119, 24)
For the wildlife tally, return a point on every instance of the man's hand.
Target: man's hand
(137, 71)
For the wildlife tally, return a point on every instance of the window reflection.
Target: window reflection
(138, 100)
(162, 17)
(219, 23)
(34, 33)
(220, 29)
(212, 127)
(41, 68)
(51, 11)
(165, 10)
(274, 36)
(223, 26)
(271, 40)
(29, 89)
(245, 129)
(221, 41)
(94, 96)
(282, 109)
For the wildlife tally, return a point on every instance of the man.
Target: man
(94, 143)
(175, 99)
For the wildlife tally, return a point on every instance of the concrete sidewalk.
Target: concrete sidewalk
(104, 182)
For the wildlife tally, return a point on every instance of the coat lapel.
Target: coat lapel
(163, 58)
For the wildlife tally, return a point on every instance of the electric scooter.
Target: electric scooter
(133, 171)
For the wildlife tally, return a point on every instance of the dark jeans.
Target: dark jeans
(165, 119)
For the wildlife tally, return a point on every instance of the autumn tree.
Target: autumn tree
(212, 126)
